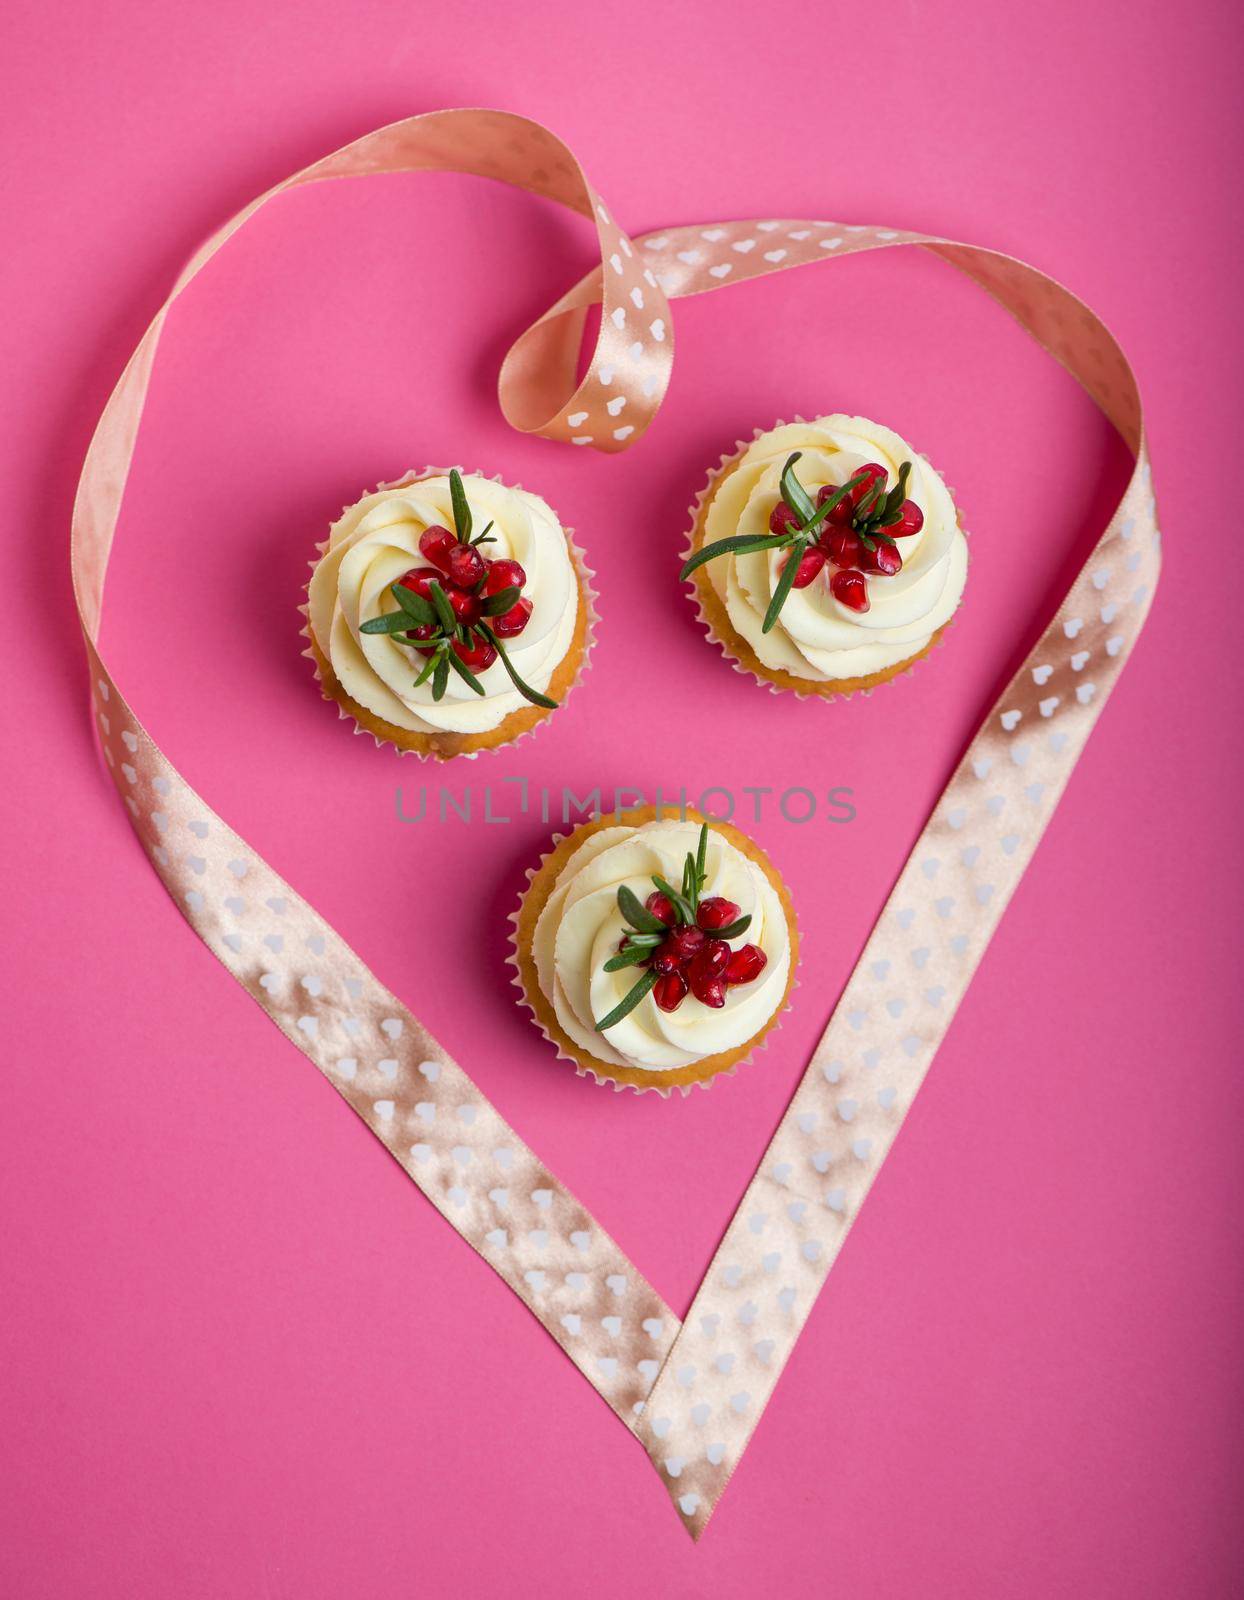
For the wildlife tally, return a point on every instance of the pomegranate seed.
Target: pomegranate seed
(844, 547)
(850, 590)
(425, 630)
(746, 963)
(884, 559)
(686, 941)
(418, 579)
(841, 514)
(477, 657)
(810, 564)
(912, 520)
(504, 574)
(709, 991)
(660, 905)
(435, 545)
(875, 471)
(711, 962)
(715, 912)
(465, 605)
(465, 566)
(782, 519)
(665, 958)
(512, 622)
(670, 991)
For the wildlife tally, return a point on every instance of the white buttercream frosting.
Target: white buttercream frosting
(816, 637)
(581, 925)
(377, 540)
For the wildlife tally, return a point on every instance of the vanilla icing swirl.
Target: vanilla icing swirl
(581, 925)
(816, 637)
(376, 541)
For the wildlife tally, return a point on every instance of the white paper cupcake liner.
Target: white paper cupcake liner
(583, 573)
(816, 690)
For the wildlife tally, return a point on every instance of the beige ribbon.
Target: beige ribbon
(694, 1391)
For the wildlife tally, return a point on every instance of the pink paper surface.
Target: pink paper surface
(239, 1354)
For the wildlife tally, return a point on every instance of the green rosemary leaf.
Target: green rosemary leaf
(429, 667)
(496, 605)
(898, 493)
(793, 492)
(740, 543)
(391, 622)
(785, 579)
(463, 671)
(864, 509)
(525, 689)
(701, 859)
(636, 913)
(740, 925)
(444, 611)
(440, 676)
(627, 958)
(629, 1001)
(414, 605)
(678, 901)
(462, 511)
(646, 941)
(486, 537)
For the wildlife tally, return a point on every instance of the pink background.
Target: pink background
(239, 1354)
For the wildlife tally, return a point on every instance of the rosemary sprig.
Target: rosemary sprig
(876, 511)
(441, 628)
(645, 930)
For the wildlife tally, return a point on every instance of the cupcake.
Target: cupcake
(655, 952)
(448, 614)
(826, 556)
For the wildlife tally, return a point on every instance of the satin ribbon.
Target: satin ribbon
(692, 1392)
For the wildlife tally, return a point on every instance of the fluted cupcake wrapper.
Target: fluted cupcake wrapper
(583, 574)
(817, 689)
(599, 1071)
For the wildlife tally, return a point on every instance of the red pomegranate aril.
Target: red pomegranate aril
(911, 520)
(746, 963)
(862, 489)
(504, 574)
(418, 579)
(660, 905)
(665, 958)
(435, 545)
(708, 991)
(711, 962)
(686, 941)
(670, 991)
(465, 566)
(841, 514)
(512, 622)
(476, 657)
(425, 630)
(716, 912)
(850, 590)
(782, 519)
(884, 559)
(465, 605)
(844, 547)
(810, 564)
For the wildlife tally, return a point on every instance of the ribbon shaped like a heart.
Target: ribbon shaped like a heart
(691, 1392)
